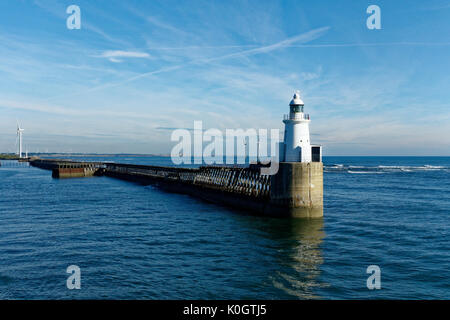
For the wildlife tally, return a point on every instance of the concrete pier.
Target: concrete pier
(296, 190)
(69, 169)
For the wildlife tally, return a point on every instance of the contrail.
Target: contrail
(323, 45)
(373, 44)
(301, 38)
(304, 37)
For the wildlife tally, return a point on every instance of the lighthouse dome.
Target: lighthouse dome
(296, 100)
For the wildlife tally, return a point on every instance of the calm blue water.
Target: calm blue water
(136, 242)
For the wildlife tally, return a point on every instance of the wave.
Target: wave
(410, 168)
(434, 167)
(365, 172)
(383, 168)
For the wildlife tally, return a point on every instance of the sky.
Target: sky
(137, 70)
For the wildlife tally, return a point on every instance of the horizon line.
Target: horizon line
(168, 154)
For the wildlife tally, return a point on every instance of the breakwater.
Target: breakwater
(69, 169)
(296, 190)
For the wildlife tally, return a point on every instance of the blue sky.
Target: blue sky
(135, 69)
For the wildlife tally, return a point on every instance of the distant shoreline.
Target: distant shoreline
(10, 156)
(14, 156)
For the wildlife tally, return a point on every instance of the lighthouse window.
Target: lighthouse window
(295, 108)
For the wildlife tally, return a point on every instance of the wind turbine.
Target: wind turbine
(19, 135)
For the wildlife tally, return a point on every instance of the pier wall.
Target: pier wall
(240, 188)
(298, 188)
(62, 173)
(69, 169)
(242, 181)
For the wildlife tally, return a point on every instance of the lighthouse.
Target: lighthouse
(297, 187)
(297, 145)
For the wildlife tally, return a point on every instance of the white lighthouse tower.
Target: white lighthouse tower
(297, 186)
(297, 145)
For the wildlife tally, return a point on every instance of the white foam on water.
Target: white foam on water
(382, 168)
(428, 166)
(366, 172)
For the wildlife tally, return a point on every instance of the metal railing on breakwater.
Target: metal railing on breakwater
(245, 181)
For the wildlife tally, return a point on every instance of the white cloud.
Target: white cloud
(113, 55)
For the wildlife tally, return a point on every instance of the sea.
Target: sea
(130, 241)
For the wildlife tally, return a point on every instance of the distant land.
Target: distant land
(9, 156)
(13, 156)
